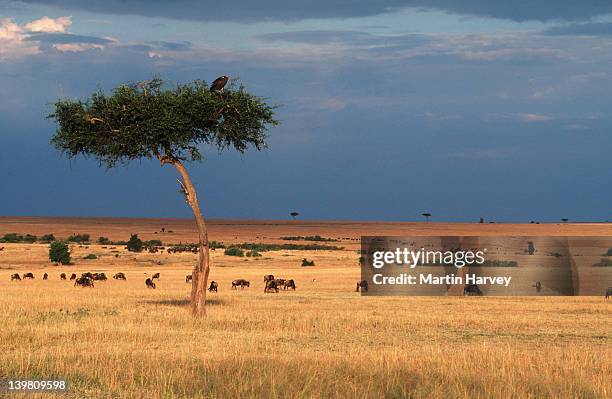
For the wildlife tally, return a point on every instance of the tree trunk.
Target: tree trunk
(202, 268)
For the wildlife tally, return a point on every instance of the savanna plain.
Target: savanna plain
(121, 339)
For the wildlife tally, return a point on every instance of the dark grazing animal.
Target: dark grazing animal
(268, 277)
(219, 83)
(188, 278)
(63, 276)
(472, 290)
(280, 282)
(289, 284)
(119, 276)
(608, 292)
(150, 283)
(73, 276)
(28, 275)
(213, 286)
(99, 277)
(45, 276)
(155, 276)
(362, 285)
(84, 282)
(87, 274)
(538, 286)
(240, 283)
(271, 286)
(15, 276)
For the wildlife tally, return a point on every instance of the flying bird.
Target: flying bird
(219, 83)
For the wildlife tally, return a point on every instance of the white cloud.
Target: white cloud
(49, 25)
(77, 47)
(13, 41)
(526, 117)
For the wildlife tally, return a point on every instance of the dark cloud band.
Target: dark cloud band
(281, 10)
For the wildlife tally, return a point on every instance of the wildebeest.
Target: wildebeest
(240, 283)
(289, 284)
(280, 282)
(87, 275)
(73, 276)
(119, 276)
(538, 286)
(213, 286)
(472, 290)
(363, 285)
(155, 276)
(268, 277)
(28, 275)
(608, 292)
(271, 286)
(45, 276)
(63, 276)
(150, 284)
(84, 282)
(188, 278)
(15, 276)
(99, 277)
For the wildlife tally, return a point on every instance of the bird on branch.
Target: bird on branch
(219, 83)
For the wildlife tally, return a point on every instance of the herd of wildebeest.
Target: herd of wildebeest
(87, 279)
(272, 284)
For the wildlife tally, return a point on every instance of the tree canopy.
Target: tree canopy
(148, 120)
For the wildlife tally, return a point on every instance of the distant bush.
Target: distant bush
(134, 244)
(153, 243)
(215, 245)
(498, 263)
(261, 247)
(80, 238)
(253, 254)
(609, 253)
(309, 238)
(59, 252)
(306, 262)
(16, 238)
(604, 263)
(11, 238)
(90, 256)
(29, 238)
(104, 240)
(47, 238)
(234, 251)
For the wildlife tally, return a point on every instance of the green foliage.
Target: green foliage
(306, 262)
(262, 247)
(47, 238)
(153, 243)
(59, 252)
(309, 238)
(499, 263)
(609, 253)
(134, 244)
(138, 121)
(215, 245)
(90, 256)
(234, 251)
(253, 254)
(16, 238)
(104, 240)
(80, 238)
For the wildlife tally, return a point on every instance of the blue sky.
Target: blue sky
(464, 109)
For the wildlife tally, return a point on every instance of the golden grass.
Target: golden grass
(122, 340)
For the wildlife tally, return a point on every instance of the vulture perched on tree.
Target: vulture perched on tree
(219, 83)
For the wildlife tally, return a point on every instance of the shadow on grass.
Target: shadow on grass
(181, 302)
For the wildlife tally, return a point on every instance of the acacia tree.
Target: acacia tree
(170, 124)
